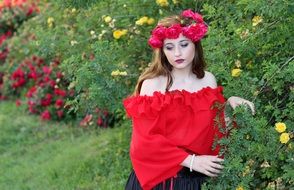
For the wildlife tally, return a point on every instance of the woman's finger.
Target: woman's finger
(251, 106)
(210, 174)
(213, 170)
(216, 159)
(217, 166)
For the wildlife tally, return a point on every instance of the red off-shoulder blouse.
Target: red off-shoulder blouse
(168, 127)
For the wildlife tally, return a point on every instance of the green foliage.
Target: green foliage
(50, 155)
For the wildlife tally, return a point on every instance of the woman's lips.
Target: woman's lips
(180, 61)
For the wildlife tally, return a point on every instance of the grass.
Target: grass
(50, 155)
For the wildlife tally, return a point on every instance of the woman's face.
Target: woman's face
(179, 52)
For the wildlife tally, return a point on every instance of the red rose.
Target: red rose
(99, 121)
(155, 42)
(159, 32)
(40, 61)
(46, 115)
(47, 70)
(46, 79)
(59, 92)
(195, 32)
(31, 92)
(18, 103)
(59, 113)
(33, 75)
(52, 83)
(59, 74)
(18, 73)
(47, 100)
(58, 103)
(173, 32)
(195, 16)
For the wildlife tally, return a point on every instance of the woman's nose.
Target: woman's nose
(178, 51)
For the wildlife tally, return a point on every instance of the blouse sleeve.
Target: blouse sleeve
(154, 157)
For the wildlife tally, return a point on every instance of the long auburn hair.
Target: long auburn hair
(161, 66)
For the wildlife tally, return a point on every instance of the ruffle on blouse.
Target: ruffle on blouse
(150, 106)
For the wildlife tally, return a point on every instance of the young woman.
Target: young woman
(174, 110)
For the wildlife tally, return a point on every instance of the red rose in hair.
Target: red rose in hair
(173, 32)
(195, 16)
(195, 32)
(159, 32)
(155, 42)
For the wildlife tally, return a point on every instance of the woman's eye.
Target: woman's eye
(184, 45)
(169, 48)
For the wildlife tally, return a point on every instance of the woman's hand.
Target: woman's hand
(235, 101)
(208, 165)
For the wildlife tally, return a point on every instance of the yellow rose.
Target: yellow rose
(284, 138)
(280, 127)
(115, 73)
(239, 188)
(92, 32)
(124, 31)
(150, 21)
(236, 72)
(123, 73)
(50, 21)
(139, 22)
(119, 73)
(162, 3)
(142, 20)
(117, 34)
(107, 19)
(256, 20)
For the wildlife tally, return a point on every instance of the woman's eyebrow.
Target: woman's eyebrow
(172, 43)
(169, 43)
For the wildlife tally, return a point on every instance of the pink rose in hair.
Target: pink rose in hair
(173, 32)
(195, 32)
(155, 42)
(195, 16)
(159, 32)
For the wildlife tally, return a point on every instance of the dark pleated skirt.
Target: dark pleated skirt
(185, 180)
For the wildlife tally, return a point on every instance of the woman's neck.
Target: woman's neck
(183, 76)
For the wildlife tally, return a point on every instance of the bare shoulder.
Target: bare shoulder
(151, 85)
(210, 79)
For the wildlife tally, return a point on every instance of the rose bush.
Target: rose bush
(102, 48)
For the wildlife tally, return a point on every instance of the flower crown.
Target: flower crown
(194, 30)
